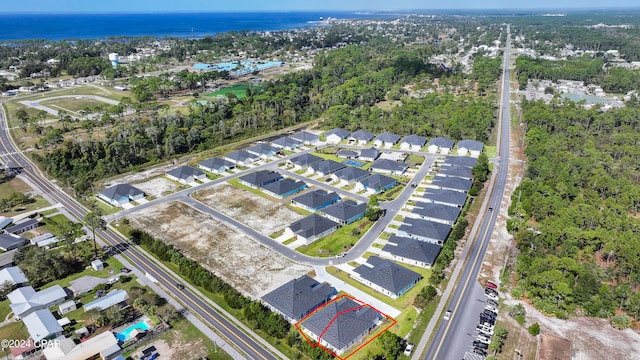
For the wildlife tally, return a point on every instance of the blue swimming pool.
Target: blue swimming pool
(127, 333)
(353, 162)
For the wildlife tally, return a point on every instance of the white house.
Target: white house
(440, 145)
(386, 139)
(97, 265)
(335, 136)
(470, 147)
(413, 142)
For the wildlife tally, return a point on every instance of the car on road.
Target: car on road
(490, 209)
(447, 315)
(180, 286)
(408, 350)
(491, 285)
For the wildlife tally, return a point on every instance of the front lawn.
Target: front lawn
(391, 194)
(338, 242)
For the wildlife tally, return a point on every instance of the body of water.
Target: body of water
(100, 26)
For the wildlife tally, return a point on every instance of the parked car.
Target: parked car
(125, 270)
(492, 303)
(493, 297)
(483, 339)
(478, 344)
(408, 350)
(480, 352)
(447, 315)
(491, 285)
(491, 308)
(490, 291)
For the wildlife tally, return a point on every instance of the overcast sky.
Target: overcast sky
(284, 5)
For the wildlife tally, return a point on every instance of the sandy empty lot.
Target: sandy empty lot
(263, 215)
(157, 187)
(247, 266)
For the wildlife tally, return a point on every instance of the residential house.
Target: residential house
(411, 251)
(315, 200)
(413, 142)
(424, 230)
(345, 212)
(67, 307)
(241, 158)
(445, 197)
(311, 228)
(361, 137)
(25, 300)
(6, 259)
(451, 183)
(186, 175)
(286, 143)
(114, 297)
(440, 145)
(335, 136)
(101, 346)
(120, 194)
(304, 160)
(306, 138)
(10, 242)
(386, 139)
(259, 178)
(5, 221)
(216, 165)
(386, 277)
(370, 154)
(299, 297)
(347, 154)
(349, 175)
(376, 183)
(42, 325)
(455, 171)
(435, 212)
(388, 167)
(326, 167)
(22, 226)
(14, 275)
(470, 147)
(283, 188)
(465, 161)
(341, 324)
(263, 151)
(41, 238)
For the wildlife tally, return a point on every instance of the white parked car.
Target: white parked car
(408, 350)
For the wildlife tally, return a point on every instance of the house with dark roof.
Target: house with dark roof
(470, 147)
(120, 194)
(286, 143)
(6, 259)
(326, 167)
(283, 188)
(345, 212)
(298, 297)
(10, 242)
(445, 197)
(306, 138)
(311, 228)
(341, 324)
(5, 221)
(386, 277)
(349, 175)
(455, 171)
(258, 179)
(411, 251)
(241, 158)
(216, 165)
(386, 139)
(440, 145)
(451, 183)
(23, 225)
(263, 151)
(465, 161)
(424, 230)
(413, 142)
(335, 136)
(186, 175)
(361, 137)
(347, 154)
(389, 167)
(435, 212)
(315, 200)
(370, 154)
(304, 160)
(376, 183)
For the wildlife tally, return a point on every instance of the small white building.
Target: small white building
(97, 265)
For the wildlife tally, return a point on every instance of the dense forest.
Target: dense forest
(576, 214)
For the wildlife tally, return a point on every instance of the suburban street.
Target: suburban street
(454, 337)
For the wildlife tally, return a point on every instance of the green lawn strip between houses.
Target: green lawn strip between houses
(337, 242)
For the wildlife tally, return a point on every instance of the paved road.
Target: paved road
(453, 338)
(254, 349)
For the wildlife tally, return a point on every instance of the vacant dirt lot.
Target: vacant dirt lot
(263, 215)
(157, 187)
(249, 267)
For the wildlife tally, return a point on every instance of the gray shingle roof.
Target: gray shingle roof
(262, 149)
(387, 274)
(240, 155)
(351, 173)
(412, 249)
(471, 145)
(455, 183)
(10, 242)
(461, 161)
(216, 163)
(183, 172)
(312, 225)
(299, 296)
(390, 165)
(304, 136)
(447, 196)
(119, 191)
(347, 153)
(345, 210)
(441, 142)
(285, 141)
(327, 166)
(388, 137)
(362, 135)
(414, 140)
(316, 198)
(426, 228)
(342, 322)
(18, 227)
(436, 211)
(283, 186)
(261, 177)
(371, 153)
(377, 181)
(305, 159)
(456, 171)
(337, 131)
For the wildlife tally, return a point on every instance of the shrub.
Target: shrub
(534, 329)
(621, 321)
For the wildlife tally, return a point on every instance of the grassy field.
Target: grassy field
(14, 330)
(337, 242)
(73, 104)
(185, 333)
(237, 90)
(17, 185)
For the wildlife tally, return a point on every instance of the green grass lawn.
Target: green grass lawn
(415, 159)
(490, 150)
(421, 323)
(337, 242)
(392, 193)
(14, 330)
(277, 234)
(4, 309)
(184, 332)
(237, 90)
(72, 104)
(405, 322)
(236, 183)
(111, 264)
(298, 210)
(10, 185)
(376, 245)
(287, 242)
